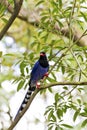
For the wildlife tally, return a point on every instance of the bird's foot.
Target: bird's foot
(38, 85)
(46, 74)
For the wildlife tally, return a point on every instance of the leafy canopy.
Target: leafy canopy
(59, 29)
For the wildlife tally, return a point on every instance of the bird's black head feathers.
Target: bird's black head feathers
(43, 60)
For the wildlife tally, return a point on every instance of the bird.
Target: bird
(39, 70)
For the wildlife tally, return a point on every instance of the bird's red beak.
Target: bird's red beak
(41, 54)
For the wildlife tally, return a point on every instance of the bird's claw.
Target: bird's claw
(38, 85)
(46, 74)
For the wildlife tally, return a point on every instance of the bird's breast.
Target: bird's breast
(39, 73)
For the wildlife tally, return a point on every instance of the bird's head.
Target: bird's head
(42, 54)
(43, 59)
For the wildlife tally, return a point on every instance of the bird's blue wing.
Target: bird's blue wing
(34, 68)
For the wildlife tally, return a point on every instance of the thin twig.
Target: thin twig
(17, 7)
(57, 53)
(73, 87)
(78, 63)
(71, 90)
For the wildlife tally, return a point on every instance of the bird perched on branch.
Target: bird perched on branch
(38, 72)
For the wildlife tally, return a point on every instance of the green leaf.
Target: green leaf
(63, 69)
(53, 75)
(2, 10)
(20, 85)
(47, 111)
(50, 128)
(80, 57)
(31, 55)
(25, 85)
(84, 114)
(54, 118)
(80, 23)
(44, 18)
(22, 66)
(59, 113)
(50, 79)
(50, 115)
(76, 114)
(9, 54)
(56, 97)
(84, 16)
(56, 128)
(40, 2)
(85, 109)
(0, 53)
(27, 70)
(67, 126)
(49, 108)
(60, 23)
(65, 88)
(84, 123)
(5, 20)
(80, 89)
(60, 128)
(50, 90)
(79, 101)
(60, 3)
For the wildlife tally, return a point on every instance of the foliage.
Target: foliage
(44, 32)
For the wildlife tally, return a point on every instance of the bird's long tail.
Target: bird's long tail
(27, 97)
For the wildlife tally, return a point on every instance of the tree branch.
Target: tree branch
(17, 7)
(63, 83)
(75, 34)
(81, 70)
